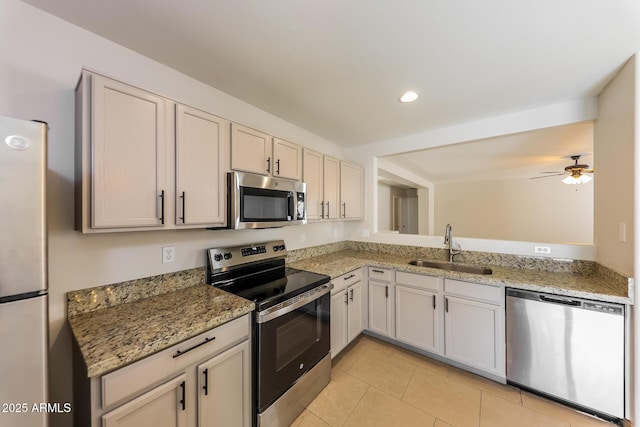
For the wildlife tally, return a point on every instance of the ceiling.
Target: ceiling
(519, 156)
(337, 68)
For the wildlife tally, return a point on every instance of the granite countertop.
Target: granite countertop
(113, 337)
(590, 286)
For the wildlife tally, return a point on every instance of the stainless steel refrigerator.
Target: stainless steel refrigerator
(23, 273)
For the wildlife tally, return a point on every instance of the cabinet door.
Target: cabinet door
(351, 191)
(250, 150)
(331, 187)
(313, 176)
(472, 334)
(163, 406)
(224, 389)
(354, 316)
(416, 318)
(338, 322)
(201, 146)
(380, 308)
(128, 146)
(287, 160)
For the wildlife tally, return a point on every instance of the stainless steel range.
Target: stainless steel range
(291, 342)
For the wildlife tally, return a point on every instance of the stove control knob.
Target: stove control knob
(228, 255)
(276, 248)
(217, 257)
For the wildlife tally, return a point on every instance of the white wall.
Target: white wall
(384, 207)
(615, 140)
(40, 61)
(537, 210)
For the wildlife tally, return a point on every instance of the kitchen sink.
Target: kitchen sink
(451, 266)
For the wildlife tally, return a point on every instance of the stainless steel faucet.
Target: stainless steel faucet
(448, 239)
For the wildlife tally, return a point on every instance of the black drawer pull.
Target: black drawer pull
(377, 271)
(180, 353)
(350, 276)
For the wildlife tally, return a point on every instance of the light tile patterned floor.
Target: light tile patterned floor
(377, 384)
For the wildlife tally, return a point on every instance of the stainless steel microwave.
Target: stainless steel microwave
(258, 201)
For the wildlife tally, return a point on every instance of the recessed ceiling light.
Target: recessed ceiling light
(409, 96)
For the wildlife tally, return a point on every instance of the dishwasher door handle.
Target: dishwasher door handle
(570, 302)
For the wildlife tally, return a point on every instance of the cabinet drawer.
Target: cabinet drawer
(476, 291)
(380, 274)
(418, 280)
(346, 280)
(144, 374)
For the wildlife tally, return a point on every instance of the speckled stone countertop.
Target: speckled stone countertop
(112, 337)
(595, 284)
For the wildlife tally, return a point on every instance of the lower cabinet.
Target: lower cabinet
(417, 318)
(381, 308)
(471, 333)
(475, 325)
(346, 310)
(461, 321)
(161, 406)
(204, 381)
(222, 385)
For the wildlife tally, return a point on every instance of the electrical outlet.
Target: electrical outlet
(542, 249)
(365, 232)
(168, 254)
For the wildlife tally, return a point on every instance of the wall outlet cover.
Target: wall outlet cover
(168, 254)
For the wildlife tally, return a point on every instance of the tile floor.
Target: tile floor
(377, 384)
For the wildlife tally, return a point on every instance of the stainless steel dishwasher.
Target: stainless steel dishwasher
(567, 348)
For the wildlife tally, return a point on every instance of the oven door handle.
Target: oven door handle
(293, 303)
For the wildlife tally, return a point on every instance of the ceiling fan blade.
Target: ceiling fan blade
(588, 171)
(547, 176)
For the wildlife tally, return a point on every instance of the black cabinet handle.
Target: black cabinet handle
(161, 207)
(278, 166)
(434, 302)
(180, 353)
(322, 206)
(183, 203)
(386, 291)
(268, 164)
(344, 210)
(206, 382)
(351, 294)
(183, 401)
(346, 298)
(328, 211)
(446, 305)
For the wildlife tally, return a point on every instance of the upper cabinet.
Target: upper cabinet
(201, 149)
(351, 191)
(321, 173)
(313, 176)
(250, 150)
(139, 166)
(335, 188)
(257, 152)
(122, 149)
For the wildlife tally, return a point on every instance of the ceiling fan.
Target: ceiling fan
(576, 173)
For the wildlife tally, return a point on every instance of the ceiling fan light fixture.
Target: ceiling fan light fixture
(409, 96)
(580, 179)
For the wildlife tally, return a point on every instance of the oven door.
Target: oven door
(292, 338)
